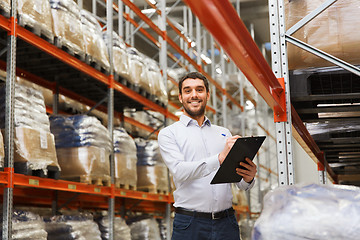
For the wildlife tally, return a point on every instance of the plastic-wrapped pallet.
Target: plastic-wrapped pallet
(145, 229)
(313, 211)
(246, 227)
(37, 15)
(34, 145)
(5, 6)
(155, 78)
(68, 227)
(151, 170)
(137, 69)
(120, 56)
(67, 25)
(121, 229)
(95, 45)
(328, 32)
(27, 225)
(125, 160)
(83, 146)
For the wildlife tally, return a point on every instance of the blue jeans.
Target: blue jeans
(195, 228)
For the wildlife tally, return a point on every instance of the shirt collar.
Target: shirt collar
(186, 120)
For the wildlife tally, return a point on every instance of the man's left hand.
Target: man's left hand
(250, 172)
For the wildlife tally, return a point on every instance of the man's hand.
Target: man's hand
(249, 174)
(229, 143)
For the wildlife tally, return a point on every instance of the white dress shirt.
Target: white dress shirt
(191, 153)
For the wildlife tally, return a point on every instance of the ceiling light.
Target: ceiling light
(206, 59)
(153, 2)
(218, 70)
(249, 105)
(337, 104)
(148, 11)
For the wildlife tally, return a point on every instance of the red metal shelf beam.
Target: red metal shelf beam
(221, 19)
(305, 135)
(33, 184)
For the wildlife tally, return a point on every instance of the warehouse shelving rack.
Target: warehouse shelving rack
(90, 86)
(226, 27)
(95, 85)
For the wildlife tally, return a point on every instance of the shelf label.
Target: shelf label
(161, 198)
(72, 186)
(122, 193)
(144, 195)
(98, 190)
(34, 182)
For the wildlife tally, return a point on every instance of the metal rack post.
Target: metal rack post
(9, 125)
(109, 32)
(280, 68)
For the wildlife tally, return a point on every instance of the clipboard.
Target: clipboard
(243, 147)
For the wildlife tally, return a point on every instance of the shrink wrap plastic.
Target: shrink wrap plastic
(120, 56)
(5, 5)
(27, 225)
(67, 24)
(155, 78)
(79, 131)
(29, 111)
(125, 157)
(94, 43)
(334, 31)
(324, 130)
(36, 13)
(313, 211)
(33, 142)
(83, 146)
(121, 229)
(151, 170)
(137, 69)
(66, 227)
(146, 229)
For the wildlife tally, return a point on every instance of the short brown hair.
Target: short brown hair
(194, 75)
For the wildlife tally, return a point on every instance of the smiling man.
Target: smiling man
(193, 149)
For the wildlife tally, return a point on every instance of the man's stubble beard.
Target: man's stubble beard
(198, 113)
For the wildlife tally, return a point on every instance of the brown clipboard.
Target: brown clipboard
(243, 147)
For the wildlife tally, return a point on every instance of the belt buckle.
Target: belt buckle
(213, 217)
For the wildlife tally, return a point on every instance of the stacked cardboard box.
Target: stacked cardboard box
(120, 56)
(36, 14)
(94, 43)
(34, 145)
(155, 79)
(125, 159)
(67, 25)
(151, 170)
(137, 69)
(334, 31)
(83, 146)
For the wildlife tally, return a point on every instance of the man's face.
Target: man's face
(194, 97)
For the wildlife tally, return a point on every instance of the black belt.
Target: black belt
(208, 215)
